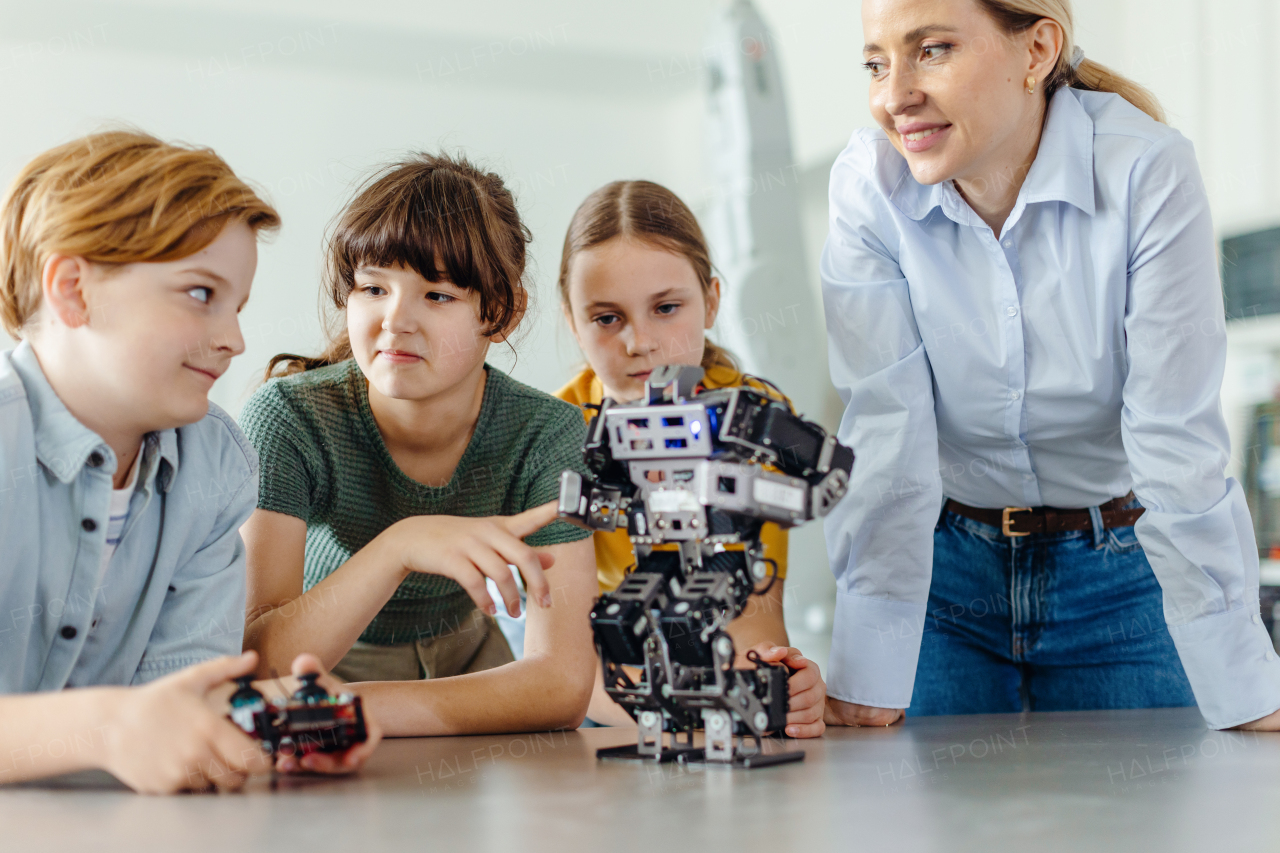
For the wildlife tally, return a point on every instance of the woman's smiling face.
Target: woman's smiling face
(948, 85)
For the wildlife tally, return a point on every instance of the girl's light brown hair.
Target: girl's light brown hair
(654, 215)
(1016, 16)
(428, 212)
(113, 198)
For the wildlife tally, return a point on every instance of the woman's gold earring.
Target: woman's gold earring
(1031, 85)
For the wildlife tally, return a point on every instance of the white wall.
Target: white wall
(302, 105)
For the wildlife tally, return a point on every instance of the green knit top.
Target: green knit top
(323, 460)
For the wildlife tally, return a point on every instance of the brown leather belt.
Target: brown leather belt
(1025, 520)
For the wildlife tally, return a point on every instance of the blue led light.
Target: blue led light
(695, 427)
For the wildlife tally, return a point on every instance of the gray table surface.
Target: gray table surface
(1100, 780)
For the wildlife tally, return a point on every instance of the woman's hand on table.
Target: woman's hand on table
(1269, 723)
(851, 714)
(335, 763)
(805, 687)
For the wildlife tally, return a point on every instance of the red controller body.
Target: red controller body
(309, 721)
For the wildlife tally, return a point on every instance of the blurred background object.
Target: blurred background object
(561, 96)
(771, 310)
(1251, 394)
(770, 315)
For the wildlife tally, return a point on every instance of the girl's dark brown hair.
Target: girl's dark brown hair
(428, 212)
(652, 214)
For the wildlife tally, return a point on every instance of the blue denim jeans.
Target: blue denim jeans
(1068, 621)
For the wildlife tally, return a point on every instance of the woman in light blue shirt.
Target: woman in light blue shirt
(1026, 327)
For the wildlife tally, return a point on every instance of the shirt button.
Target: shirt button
(89, 525)
(1014, 395)
(1271, 655)
(1008, 244)
(1011, 311)
(96, 459)
(68, 632)
(1257, 619)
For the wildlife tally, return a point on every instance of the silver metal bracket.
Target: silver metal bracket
(649, 739)
(719, 731)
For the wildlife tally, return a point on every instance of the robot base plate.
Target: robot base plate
(697, 755)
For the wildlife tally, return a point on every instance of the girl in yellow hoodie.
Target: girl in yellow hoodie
(637, 290)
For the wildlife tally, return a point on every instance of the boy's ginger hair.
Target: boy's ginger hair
(112, 198)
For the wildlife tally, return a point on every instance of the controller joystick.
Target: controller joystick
(245, 693)
(311, 692)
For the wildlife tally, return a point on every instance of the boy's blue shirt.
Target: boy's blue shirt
(153, 611)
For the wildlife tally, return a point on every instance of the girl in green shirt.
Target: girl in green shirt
(399, 471)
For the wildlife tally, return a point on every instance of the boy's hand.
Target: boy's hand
(164, 737)
(329, 762)
(472, 549)
(806, 688)
(850, 714)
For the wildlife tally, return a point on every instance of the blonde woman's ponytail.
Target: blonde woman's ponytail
(1095, 77)
(1016, 16)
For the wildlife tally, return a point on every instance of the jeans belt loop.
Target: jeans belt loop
(1099, 529)
(1005, 520)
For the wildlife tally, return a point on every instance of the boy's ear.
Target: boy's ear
(522, 305)
(62, 290)
(712, 297)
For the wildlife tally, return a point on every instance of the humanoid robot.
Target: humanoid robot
(692, 475)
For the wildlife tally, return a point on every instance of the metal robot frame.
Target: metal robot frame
(692, 475)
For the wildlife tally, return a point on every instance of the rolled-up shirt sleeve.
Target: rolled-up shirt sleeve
(1197, 531)
(880, 535)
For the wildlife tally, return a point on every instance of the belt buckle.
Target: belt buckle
(1005, 520)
